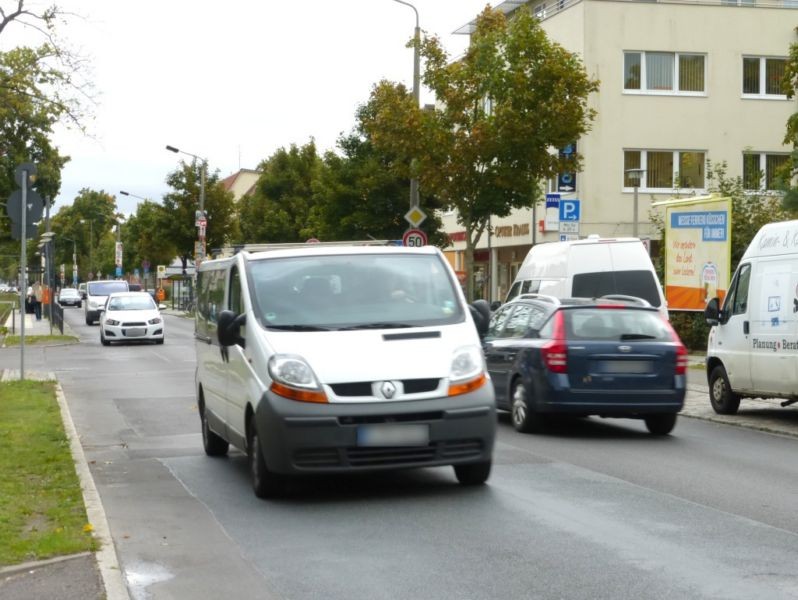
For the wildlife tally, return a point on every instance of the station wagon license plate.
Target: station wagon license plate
(389, 434)
(135, 332)
(634, 367)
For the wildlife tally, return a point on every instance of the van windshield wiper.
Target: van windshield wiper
(382, 325)
(299, 328)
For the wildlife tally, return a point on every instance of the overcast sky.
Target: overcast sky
(233, 81)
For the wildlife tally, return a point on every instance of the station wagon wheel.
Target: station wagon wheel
(525, 419)
(211, 443)
(264, 483)
(724, 401)
(661, 424)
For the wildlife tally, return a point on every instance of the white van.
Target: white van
(341, 359)
(752, 350)
(590, 268)
(97, 293)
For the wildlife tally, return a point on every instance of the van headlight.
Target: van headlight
(467, 372)
(293, 378)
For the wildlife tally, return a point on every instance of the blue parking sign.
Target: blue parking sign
(569, 210)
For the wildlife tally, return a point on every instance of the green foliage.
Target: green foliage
(485, 149)
(180, 208)
(692, 329)
(41, 507)
(357, 197)
(789, 85)
(144, 239)
(279, 208)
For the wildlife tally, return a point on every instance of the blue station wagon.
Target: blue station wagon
(614, 356)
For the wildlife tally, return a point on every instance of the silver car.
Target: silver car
(131, 316)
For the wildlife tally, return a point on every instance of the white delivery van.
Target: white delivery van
(327, 359)
(590, 268)
(752, 350)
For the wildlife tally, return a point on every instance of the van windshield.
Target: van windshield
(354, 291)
(106, 288)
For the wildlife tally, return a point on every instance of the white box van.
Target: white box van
(341, 359)
(752, 350)
(590, 268)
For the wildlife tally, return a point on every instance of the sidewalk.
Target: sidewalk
(86, 576)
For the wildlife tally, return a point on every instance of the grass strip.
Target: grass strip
(41, 506)
(13, 340)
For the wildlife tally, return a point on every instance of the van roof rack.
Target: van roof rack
(544, 297)
(625, 298)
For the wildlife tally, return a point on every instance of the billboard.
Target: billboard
(697, 251)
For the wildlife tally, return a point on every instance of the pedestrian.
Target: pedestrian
(29, 301)
(38, 296)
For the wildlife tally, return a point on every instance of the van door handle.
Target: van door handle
(745, 327)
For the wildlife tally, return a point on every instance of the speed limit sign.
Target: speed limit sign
(414, 238)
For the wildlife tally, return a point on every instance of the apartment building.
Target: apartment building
(682, 82)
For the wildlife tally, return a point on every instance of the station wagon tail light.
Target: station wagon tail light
(467, 372)
(681, 351)
(555, 351)
(293, 378)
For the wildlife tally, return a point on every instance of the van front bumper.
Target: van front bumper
(301, 437)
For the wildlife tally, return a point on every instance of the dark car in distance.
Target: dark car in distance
(614, 356)
(70, 297)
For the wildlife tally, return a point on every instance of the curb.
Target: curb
(107, 560)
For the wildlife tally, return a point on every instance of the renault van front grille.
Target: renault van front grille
(320, 458)
(364, 388)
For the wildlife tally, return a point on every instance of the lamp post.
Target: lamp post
(91, 243)
(634, 176)
(201, 212)
(416, 92)
(74, 260)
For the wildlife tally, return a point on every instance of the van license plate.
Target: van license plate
(392, 435)
(626, 366)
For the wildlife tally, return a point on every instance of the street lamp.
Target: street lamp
(91, 243)
(132, 195)
(74, 260)
(416, 93)
(634, 176)
(201, 213)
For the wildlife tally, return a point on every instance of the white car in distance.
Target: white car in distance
(131, 316)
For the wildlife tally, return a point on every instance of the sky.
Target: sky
(232, 81)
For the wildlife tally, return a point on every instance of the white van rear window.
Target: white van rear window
(629, 283)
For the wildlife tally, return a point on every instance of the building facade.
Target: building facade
(681, 83)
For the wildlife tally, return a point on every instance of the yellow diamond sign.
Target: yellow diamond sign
(415, 216)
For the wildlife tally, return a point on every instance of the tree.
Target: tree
(505, 109)
(789, 85)
(143, 237)
(279, 208)
(90, 219)
(181, 205)
(358, 198)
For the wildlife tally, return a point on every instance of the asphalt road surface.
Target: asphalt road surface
(591, 509)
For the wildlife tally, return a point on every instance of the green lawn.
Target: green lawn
(13, 340)
(41, 507)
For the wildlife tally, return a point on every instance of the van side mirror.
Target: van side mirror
(228, 328)
(480, 312)
(712, 312)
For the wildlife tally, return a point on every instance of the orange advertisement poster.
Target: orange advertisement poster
(697, 251)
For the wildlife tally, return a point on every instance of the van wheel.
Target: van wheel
(211, 443)
(88, 320)
(660, 424)
(264, 483)
(724, 401)
(524, 418)
(473, 474)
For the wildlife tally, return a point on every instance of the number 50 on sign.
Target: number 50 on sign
(414, 238)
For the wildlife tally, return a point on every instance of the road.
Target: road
(591, 509)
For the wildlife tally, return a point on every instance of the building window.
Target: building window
(760, 171)
(540, 11)
(666, 169)
(762, 76)
(664, 73)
